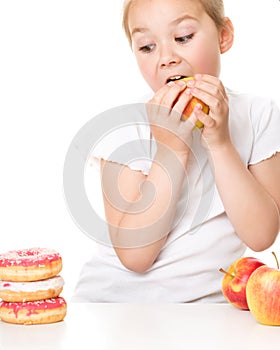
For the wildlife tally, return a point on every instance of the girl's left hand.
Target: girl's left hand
(211, 91)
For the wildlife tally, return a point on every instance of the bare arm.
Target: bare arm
(140, 213)
(140, 209)
(251, 196)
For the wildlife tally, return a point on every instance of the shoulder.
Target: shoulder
(254, 125)
(253, 112)
(250, 104)
(124, 137)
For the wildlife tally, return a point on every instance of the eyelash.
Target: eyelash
(184, 39)
(146, 48)
(181, 40)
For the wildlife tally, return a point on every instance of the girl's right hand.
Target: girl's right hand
(165, 110)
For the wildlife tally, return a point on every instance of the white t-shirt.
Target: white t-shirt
(203, 239)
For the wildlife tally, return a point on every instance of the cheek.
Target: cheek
(148, 72)
(211, 65)
(144, 68)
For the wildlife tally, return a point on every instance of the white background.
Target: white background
(63, 62)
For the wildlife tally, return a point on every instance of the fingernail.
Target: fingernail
(171, 83)
(198, 106)
(190, 83)
(181, 82)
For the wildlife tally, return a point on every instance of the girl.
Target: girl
(192, 200)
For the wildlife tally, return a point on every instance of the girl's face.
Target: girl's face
(173, 38)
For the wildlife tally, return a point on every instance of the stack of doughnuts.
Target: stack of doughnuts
(30, 286)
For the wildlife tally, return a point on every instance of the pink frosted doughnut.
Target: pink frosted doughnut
(29, 264)
(34, 312)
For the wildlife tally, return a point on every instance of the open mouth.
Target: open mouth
(175, 78)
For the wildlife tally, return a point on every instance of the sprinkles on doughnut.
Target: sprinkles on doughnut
(29, 264)
(30, 291)
(34, 312)
(30, 287)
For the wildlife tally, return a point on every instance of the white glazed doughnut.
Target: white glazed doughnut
(29, 264)
(34, 312)
(30, 291)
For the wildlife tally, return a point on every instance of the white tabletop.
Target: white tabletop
(145, 327)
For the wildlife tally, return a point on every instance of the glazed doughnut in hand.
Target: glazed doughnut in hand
(30, 291)
(34, 312)
(29, 264)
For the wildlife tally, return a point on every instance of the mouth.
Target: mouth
(175, 78)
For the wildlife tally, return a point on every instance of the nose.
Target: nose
(168, 57)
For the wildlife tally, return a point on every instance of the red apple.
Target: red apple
(263, 295)
(235, 280)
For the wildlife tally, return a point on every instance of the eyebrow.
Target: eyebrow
(138, 30)
(174, 22)
(183, 18)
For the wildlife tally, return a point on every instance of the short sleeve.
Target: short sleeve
(265, 118)
(128, 142)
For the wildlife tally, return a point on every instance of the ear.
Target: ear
(226, 35)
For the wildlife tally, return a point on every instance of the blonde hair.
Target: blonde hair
(214, 9)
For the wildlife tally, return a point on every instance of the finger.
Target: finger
(215, 103)
(154, 104)
(193, 118)
(210, 79)
(210, 83)
(165, 98)
(213, 90)
(164, 94)
(204, 118)
(172, 95)
(181, 104)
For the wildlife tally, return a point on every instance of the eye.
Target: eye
(147, 48)
(184, 39)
